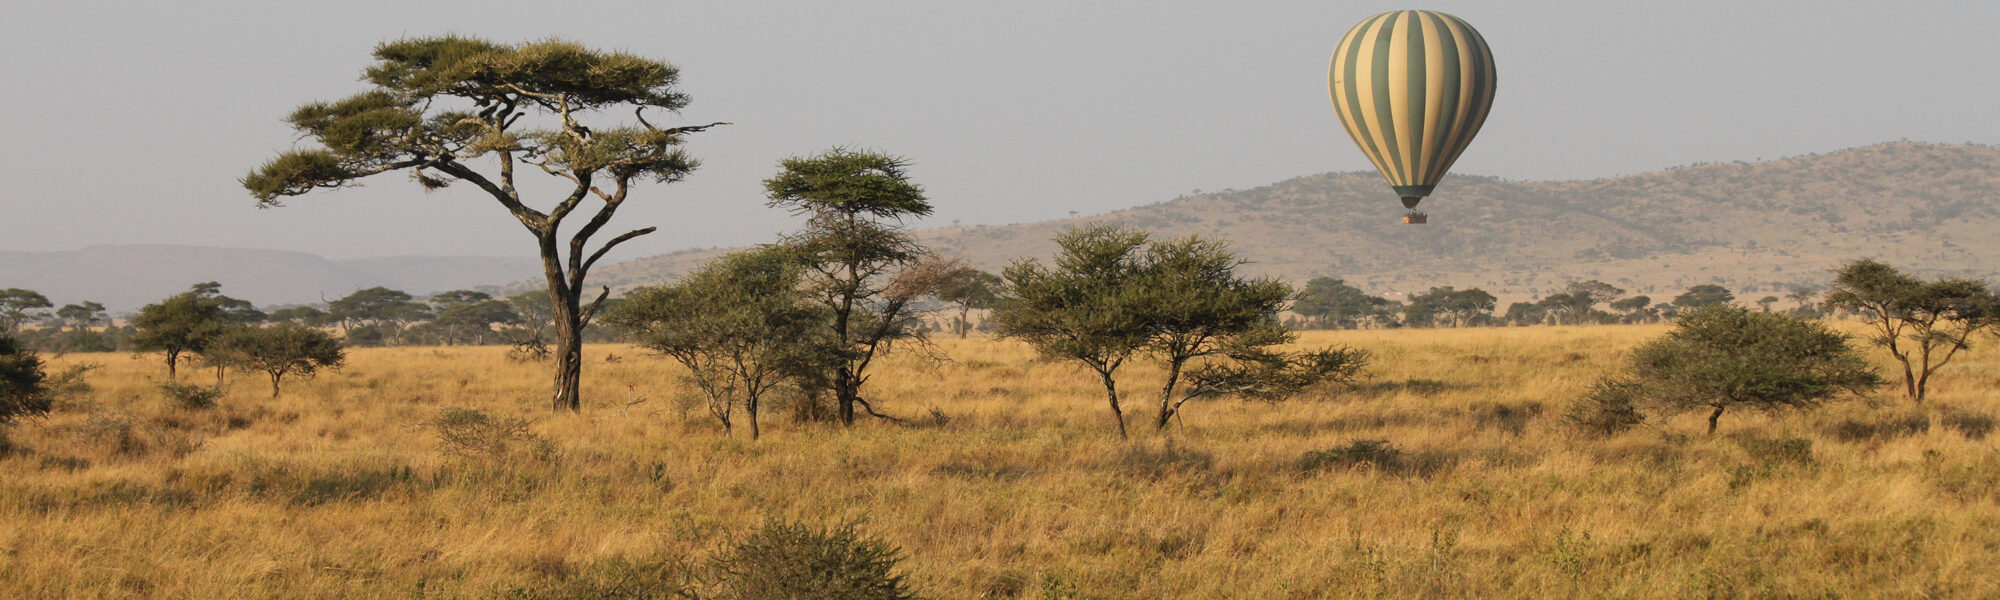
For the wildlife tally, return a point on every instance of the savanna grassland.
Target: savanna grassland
(1015, 486)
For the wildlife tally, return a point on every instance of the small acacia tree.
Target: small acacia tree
(182, 324)
(1196, 305)
(1086, 307)
(457, 109)
(1923, 324)
(740, 324)
(970, 289)
(279, 350)
(1707, 294)
(18, 305)
(860, 260)
(23, 389)
(1720, 357)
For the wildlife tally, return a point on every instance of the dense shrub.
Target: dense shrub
(788, 561)
(1721, 357)
(472, 433)
(190, 396)
(1851, 430)
(1610, 407)
(23, 385)
(1972, 425)
(1377, 455)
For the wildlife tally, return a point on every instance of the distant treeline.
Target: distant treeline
(1330, 303)
(375, 316)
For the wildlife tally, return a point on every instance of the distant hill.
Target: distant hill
(1753, 227)
(127, 277)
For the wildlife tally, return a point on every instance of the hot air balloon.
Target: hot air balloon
(1412, 87)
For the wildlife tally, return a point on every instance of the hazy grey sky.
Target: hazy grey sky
(131, 123)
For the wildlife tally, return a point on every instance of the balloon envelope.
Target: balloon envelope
(1412, 87)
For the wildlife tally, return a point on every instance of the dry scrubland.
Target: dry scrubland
(336, 490)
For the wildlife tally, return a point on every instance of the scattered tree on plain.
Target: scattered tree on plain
(1086, 307)
(1634, 309)
(1198, 306)
(441, 106)
(1450, 307)
(278, 350)
(1112, 295)
(82, 316)
(1720, 357)
(861, 261)
(1332, 303)
(970, 289)
(23, 389)
(19, 305)
(1706, 294)
(180, 325)
(1923, 324)
(741, 324)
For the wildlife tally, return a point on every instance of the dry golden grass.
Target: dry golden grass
(337, 491)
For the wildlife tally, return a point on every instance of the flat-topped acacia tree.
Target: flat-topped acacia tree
(456, 109)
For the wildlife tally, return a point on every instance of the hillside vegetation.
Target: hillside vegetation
(1445, 474)
(1748, 226)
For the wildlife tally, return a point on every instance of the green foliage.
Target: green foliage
(188, 322)
(788, 561)
(190, 396)
(18, 305)
(1331, 302)
(1923, 324)
(469, 433)
(1722, 357)
(1113, 294)
(742, 326)
(1088, 308)
(1703, 295)
(848, 183)
(83, 315)
(861, 262)
(970, 289)
(1449, 307)
(24, 390)
(278, 350)
(442, 108)
(1609, 408)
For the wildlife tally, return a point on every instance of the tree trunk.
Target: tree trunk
(569, 367)
(1712, 417)
(173, 359)
(844, 393)
(565, 302)
(1111, 392)
(750, 406)
(964, 326)
(274, 385)
(1167, 395)
(1910, 381)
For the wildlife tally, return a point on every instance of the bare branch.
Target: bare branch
(614, 241)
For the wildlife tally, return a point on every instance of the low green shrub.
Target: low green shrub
(191, 397)
(789, 561)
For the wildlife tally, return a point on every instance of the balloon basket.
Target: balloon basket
(1416, 218)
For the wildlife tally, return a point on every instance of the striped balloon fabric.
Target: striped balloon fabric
(1412, 87)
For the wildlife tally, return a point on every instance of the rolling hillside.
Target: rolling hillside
(1754, 227)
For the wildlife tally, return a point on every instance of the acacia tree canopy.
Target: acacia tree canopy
(455, 109)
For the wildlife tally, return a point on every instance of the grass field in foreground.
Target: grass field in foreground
(337, 490)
